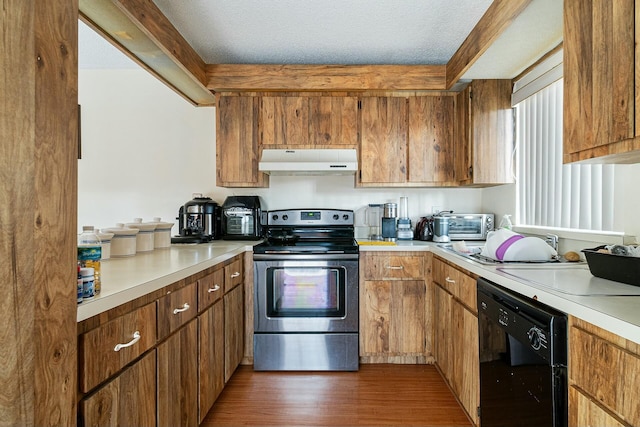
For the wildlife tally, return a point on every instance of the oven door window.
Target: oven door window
(461, 225)
(306, 292)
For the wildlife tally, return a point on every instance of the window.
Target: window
(550, 194)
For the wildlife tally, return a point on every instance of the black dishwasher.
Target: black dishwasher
(523, 360)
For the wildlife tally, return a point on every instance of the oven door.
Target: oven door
(467, 227)
(306, 293)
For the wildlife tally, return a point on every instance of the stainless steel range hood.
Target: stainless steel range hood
(309, 162)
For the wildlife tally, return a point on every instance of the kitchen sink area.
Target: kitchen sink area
(474, 254)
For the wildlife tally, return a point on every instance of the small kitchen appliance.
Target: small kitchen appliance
(441, 229)
(404, 223)
(198, 221)
(306, 292)
(389, 218)
(374, 221)
(242, 218)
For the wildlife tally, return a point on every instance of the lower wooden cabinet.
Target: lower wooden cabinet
(128, 399)
(211, 357)
(456, 334)
(177, 393)
(393, 318)
(233, 330)
(604, 373)
(395, 308)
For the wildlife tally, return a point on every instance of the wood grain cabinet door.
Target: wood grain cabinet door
(601, 77)
(233, 274)
(284, 121)
(237, 148)
(233, 330)
(178, 378)
(128, 400)
(211, 357)
(383, 145)
(333, 121)
(431, 140)
(394, 317)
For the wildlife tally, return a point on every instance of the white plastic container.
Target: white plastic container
(105, 242)
(145, 237)
(162, 234)
(123, 243)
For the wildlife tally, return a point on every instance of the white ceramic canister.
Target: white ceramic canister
(145, 238)
(162, 234)
(105, 242)
(123, 242)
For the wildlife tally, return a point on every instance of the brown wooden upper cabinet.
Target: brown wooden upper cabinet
(431, 140)
(484, 134)
(601, 81)
(383, 144)
(237, 150)
(308, 121)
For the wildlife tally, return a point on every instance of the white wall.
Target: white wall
(145, 150)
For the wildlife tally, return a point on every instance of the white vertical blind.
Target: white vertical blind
(578, 196)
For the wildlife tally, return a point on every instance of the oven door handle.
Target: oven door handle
(312, 257)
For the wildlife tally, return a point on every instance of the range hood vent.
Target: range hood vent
(309, 162)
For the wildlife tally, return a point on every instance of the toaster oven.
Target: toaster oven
(470, 226)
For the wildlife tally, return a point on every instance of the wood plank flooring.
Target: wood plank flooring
(376, 395)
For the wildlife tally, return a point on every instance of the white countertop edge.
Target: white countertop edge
(102, 303)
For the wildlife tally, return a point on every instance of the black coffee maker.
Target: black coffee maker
(198, 221)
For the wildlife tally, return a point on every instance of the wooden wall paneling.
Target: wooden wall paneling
(38, 169)
(431, 149)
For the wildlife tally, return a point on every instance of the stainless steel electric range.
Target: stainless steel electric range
(306, 292)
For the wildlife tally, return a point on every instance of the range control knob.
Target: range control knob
(534, 338)
(274, 217)
(336, 217)
(345, 217)
(285, 217)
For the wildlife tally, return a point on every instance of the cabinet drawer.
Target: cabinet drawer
(108, 348)
(233, 274)
(457, 282)
(210, 289)
(390, 267)
(176, 309)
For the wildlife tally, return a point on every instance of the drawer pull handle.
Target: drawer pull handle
(185, 307)
(449, 280)
(136, 338)
(392, 267)
(215, 288)
(234, 275)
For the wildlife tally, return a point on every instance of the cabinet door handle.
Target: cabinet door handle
(234, 275)
(449, 280)
(136, 338)
(395, 267)
(185, 307)
(215, 288)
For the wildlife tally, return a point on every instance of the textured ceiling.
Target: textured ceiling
(325, 31)
(345, 32)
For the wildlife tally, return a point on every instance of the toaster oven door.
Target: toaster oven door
(240, 224)
(467, 227)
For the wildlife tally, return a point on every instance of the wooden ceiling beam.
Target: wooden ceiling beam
(257, 77)
(496, 19)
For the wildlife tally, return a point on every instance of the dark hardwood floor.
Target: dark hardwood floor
(376, 395)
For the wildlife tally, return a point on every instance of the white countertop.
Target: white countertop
(125, 279)
(618, 314)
